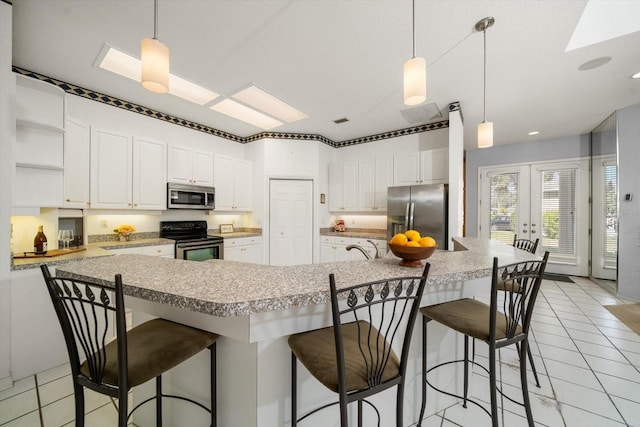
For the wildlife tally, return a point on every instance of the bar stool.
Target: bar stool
(497, 327)
(355, 357)
(85, 311)
(525, 244)
(529, 246)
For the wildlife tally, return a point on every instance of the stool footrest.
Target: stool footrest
(171, 396)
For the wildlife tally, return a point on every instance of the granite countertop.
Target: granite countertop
(227, 288)
(360, 234)
(235, 234)
(94, 250)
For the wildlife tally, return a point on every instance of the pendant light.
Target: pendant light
(485, 129)
(154, 56)
(415, 73)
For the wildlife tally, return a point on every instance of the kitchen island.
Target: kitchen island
(256, 307)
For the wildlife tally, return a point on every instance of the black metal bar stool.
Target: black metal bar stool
(499, 324)
(355, 357)
(85, 311)
(529, 246)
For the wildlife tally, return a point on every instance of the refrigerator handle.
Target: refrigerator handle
(406, 217)
(411, 210)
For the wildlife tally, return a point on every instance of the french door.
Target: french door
(604, 243)
(546, 201)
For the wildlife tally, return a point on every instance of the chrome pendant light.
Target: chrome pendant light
(485, 129)
(415, 73)
(154, 56)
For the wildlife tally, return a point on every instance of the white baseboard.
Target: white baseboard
(6, 383)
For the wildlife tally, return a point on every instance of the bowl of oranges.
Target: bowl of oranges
(412, 248)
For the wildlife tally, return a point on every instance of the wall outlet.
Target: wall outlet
(104, 224)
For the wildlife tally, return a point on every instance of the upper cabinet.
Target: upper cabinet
(374, 177)
(76, 164)
(190, 166)
(343, 186)
(232, 180)
(127, 172)
(424, 167)
(39, 147)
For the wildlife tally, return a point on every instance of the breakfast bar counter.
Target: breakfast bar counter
(256, 307)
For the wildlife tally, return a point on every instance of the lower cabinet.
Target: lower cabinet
(333, 249)
(244, 249)
(37, 343)
(165, 251)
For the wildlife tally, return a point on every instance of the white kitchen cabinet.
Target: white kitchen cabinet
(165, 251)
(37, 343)
(232, 180)
(39, 144)
(244, 249)
(149, 174)
(424, 167)
(127, 172)
(374, 177)
(188, 165)
(334, 248)
(343, 187)
(77, 139)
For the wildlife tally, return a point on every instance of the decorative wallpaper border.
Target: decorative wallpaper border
(135, 108)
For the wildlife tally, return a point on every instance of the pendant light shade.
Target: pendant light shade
(485, 134)
(485, 129)
(154, 56)
(155, 65)
(415, 73)
(415, 81)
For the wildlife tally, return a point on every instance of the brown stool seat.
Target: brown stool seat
(154, 347)
(317, 352)
(468, 316)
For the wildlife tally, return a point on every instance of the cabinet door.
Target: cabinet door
(406, 168)
(77, 138)
(180, 164)
(242, 185)
(383, 180)
(327, 252)
(149, 174)
(202, 168)
(224, 175)
(366, 185)
(166, 251)
(350, 186)
(435, 166)
(336, 174)
(254, 253)
(111, 166)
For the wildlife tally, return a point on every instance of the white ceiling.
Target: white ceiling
(344, 58)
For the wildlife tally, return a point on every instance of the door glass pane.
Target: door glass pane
(504, 206)
(558, 211)
(611, 217)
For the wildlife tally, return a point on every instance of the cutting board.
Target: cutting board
(51, 253)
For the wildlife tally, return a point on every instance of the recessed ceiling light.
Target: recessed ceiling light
(535, 132)
(594, 63)
(246, 114)
(118, 62)
(636, 76)
(267, 103)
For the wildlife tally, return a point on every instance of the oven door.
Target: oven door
(202, 251)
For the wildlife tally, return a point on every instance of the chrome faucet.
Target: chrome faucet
(364, 252)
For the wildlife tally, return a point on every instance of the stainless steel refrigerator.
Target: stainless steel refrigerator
(419, 207)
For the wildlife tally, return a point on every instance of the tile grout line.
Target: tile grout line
(35, 379)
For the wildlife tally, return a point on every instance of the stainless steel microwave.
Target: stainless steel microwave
(185, 196)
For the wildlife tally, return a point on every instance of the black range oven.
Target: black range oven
(192, 241)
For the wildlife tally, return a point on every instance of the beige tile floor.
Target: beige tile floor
(588, 362)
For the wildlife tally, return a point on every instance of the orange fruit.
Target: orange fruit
(412, 235)
(414, 244)
(399, 239)
(427, 242)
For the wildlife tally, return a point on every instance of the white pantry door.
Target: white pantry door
(290, 222)
(549, 201)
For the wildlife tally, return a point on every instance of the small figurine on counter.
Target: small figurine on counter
(339, 225)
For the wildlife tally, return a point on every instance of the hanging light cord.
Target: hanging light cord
(484, 76)
(413, 12)
(155, 19)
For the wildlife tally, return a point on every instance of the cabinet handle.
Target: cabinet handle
(135, 204)
(129, 204)
(67, 200)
